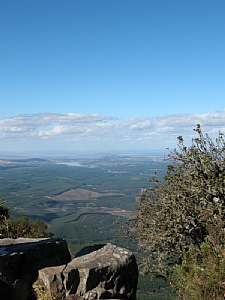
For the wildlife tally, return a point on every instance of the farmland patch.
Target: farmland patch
(82, 194)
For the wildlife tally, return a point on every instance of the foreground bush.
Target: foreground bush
(180, 221)
(184, 208)
(201, 275)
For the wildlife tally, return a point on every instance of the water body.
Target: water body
(76, 164)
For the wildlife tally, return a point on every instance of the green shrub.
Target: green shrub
(201, 275)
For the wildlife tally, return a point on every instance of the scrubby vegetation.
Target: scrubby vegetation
(201, 275)
(180, 221)
(22, 227)
(40, 292)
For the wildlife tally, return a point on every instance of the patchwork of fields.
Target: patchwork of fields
(83, 200)
(59, 190)
(80, 199)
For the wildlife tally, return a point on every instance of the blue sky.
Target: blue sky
(103, 75)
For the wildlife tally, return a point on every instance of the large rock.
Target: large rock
(20, 260)
(107, 273)
(59, 280)
(110, 272)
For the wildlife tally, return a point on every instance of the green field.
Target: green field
(82, 204)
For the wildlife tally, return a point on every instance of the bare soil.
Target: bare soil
(81, 194)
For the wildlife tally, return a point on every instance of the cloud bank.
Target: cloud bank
(79, 132)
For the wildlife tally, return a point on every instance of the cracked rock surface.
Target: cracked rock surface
(110, 272)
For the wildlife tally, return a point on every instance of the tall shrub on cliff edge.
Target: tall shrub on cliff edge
(184, 208)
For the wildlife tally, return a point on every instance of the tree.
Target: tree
(4, 210)
(22, 227)
(184, 208)
(5, 222)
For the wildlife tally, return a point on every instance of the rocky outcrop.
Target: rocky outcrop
(108, 273)
(20, 260)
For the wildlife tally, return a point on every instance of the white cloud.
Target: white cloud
(103, 132)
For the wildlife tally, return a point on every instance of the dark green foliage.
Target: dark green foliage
(4, 210)
(5, 223)
(154, 285)
(22, 227)
(184, 208)
(154, 289)
(86, 228)
(201, 274)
